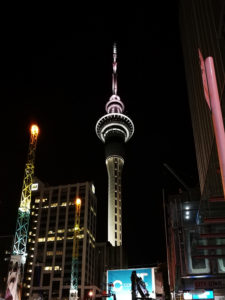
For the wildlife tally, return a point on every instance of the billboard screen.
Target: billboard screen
(121, 280)
(201, 295)
(205, 295)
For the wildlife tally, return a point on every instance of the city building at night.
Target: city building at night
(51, 235)
(114, 129)
(196, 224)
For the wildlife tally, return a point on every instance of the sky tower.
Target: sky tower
(114, 129)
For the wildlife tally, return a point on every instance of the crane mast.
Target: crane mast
(75, 254)
(19, 252)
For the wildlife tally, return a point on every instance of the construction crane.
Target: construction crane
(19, 252)
(75, 255)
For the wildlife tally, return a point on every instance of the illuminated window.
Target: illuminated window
(41, 240)
(51, 232)
(34, 187)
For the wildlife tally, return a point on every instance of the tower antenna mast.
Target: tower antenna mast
(19, 252)
(114, 74)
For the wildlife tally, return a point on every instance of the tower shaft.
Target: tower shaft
(114, 166)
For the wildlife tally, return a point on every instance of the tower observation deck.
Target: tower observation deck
(114, 129)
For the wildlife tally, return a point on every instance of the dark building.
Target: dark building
(196, 224)
(202, 27)
(107, 257)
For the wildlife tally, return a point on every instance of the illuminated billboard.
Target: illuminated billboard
(201, 295)
(121, 280)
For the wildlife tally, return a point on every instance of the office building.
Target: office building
(51, 235)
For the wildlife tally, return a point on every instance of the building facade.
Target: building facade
(51, 234)
(202, 27)
(196, 223)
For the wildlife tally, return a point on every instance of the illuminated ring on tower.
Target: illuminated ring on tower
(114, 123)
(114, 105)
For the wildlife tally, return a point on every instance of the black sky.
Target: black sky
(55, 69)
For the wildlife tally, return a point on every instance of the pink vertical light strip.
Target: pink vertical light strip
(216, 116)
(204, 79)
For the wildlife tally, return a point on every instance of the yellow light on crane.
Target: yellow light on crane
(78, 201)
(34, 129)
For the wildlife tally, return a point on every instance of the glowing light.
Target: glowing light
(90, 293)
(34, 187)
(93, 188)
(34, 129)
(78, 202)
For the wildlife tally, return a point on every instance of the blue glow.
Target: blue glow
(205, 295)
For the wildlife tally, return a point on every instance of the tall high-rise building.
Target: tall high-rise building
(195, 224)
(114, 129)
(202, 27)
(51, 234)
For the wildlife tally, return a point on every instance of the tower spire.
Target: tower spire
(114, 75)
(114, 105)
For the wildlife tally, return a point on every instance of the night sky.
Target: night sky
(55, 69)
